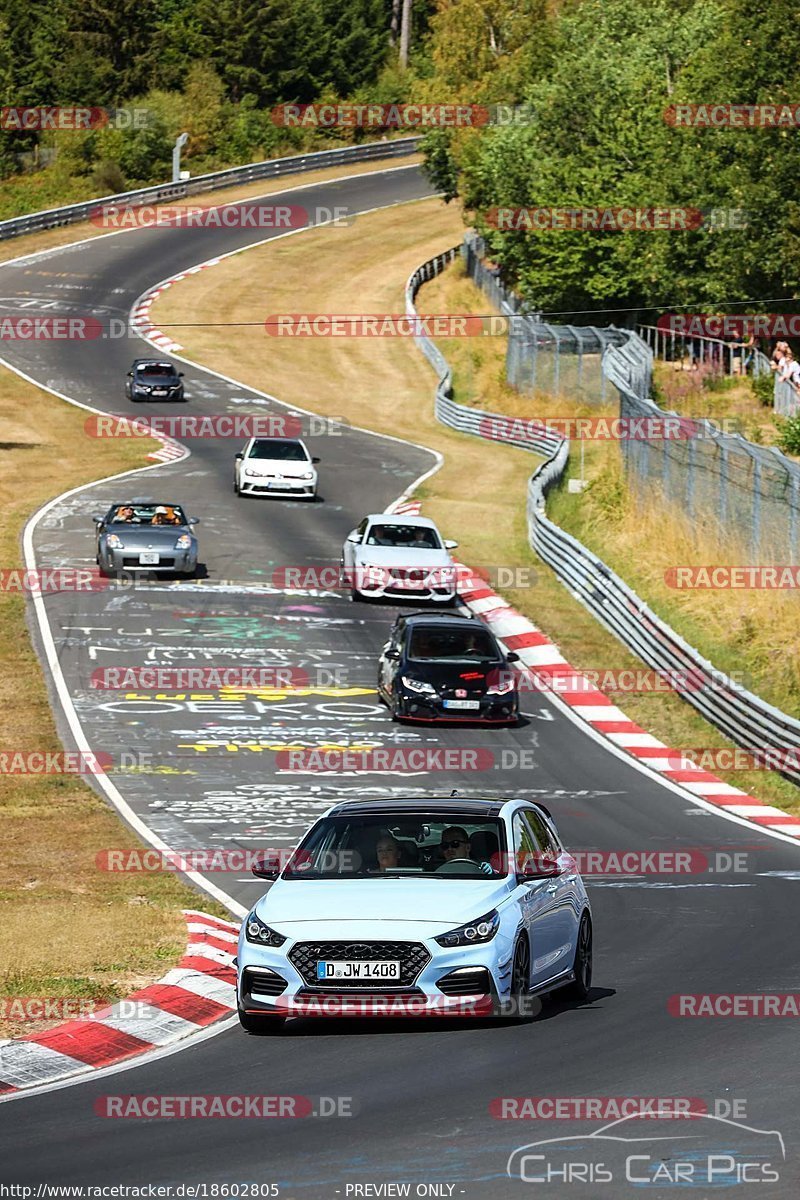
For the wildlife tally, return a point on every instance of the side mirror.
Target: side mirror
(354, 536)
(449, 544)
(315, 459)
(192, 520)
(130, 374)
(539, 866)
(512, 656)
(240, 454)
(98, 520)
(180, 374)
(269, 867)
(392, 652)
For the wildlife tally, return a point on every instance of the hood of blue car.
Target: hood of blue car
(436, 901)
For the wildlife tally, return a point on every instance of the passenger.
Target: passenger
(124, 514)
(388, 852)
(161, 516)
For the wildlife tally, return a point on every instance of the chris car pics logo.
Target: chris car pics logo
(708, 1152)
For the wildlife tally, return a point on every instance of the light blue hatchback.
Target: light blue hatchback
(416, 907)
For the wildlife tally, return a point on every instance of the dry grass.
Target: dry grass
(478, 497)
(49, 239)
(66, 929)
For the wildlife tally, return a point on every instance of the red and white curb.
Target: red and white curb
(545, 664)
(140, 315)
(198, 992)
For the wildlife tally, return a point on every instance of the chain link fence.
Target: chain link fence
(560, 359)
(749, 495)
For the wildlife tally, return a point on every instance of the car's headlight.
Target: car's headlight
(184, 542)
(308, 475)
(114, 543)
(503, 684)
(419, 685)
(143, 387)
(256, 931)
(473, 933)
(252, 471)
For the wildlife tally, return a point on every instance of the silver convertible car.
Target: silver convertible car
(146, 537)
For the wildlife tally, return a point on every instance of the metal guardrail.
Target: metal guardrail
(272, 168)
(744, 717)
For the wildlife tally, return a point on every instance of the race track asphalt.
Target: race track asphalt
(420, 1093)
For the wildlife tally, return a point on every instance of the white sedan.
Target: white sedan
(400, 557)
(275, 466)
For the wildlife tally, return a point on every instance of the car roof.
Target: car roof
(439, 618)
(152, 362)
(403, 519)
(409, 805)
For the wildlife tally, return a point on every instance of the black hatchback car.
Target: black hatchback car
(154, 379)
(445, 667)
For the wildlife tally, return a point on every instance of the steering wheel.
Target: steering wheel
(456, 862)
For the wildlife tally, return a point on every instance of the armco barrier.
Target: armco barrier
(270, 169)
(744, 717)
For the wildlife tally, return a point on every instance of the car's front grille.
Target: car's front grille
(412, 957)
(477, 982)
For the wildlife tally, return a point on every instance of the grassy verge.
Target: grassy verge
(478, 496)
(66, 928)
(49, 239)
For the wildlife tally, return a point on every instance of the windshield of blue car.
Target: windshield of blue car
(412, 537)
(147, 514)
(401, 846)
(428, 643)
(284, 451)
(159, 370)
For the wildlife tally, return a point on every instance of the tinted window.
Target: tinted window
(414, 537)
(403, 845)
(284, 451)
(157, 369)
(429, 643)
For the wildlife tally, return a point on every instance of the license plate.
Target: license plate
(159, 391)
(470, 704)
(366, 971)
(148, 558)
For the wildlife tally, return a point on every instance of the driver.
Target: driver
(454, 843)
(124, 514)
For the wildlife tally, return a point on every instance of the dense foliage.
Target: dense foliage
(599, 76)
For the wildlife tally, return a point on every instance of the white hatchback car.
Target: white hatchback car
(275, 466)
(402, 557)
